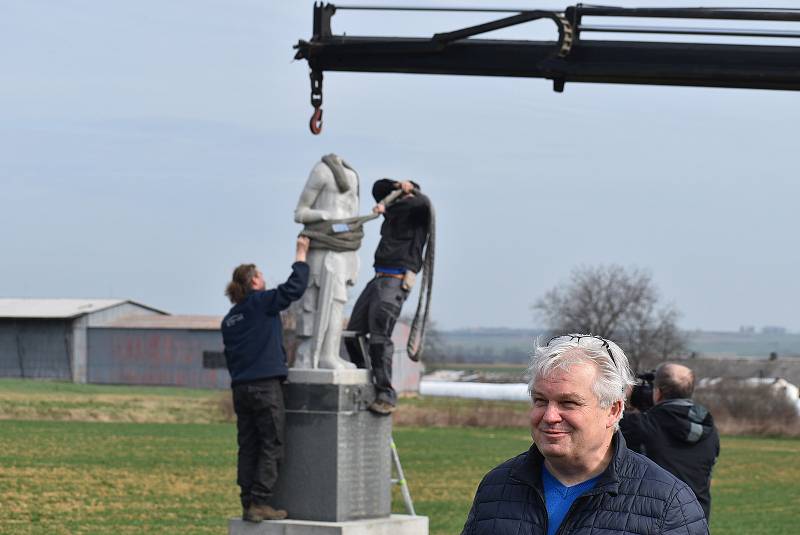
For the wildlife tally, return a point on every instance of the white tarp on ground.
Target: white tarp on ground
(455, 389)
(777, 384)
(519, 391)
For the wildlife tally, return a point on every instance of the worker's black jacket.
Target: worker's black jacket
(404, 230)
(680, 436)
(633, 496)
(253, 334)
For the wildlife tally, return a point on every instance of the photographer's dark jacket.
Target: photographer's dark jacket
(253, 334)
(633, 496)
(404, 230)
(680, 436)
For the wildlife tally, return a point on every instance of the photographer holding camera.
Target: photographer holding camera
(673, 431)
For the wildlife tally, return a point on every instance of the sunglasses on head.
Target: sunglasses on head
(578, 338)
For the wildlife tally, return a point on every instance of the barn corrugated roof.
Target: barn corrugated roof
(31, 308)
(202, 323)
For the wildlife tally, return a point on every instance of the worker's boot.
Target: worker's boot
(257, 513)
(381, 407)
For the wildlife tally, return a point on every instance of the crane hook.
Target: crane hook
(315, 124)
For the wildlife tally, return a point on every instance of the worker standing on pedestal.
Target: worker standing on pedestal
(398, 258)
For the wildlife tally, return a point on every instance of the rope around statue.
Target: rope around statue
(347, 234)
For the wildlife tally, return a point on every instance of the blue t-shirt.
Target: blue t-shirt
(558, 498)
(390, 270)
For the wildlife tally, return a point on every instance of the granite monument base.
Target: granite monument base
(337, 465)
(392, 525)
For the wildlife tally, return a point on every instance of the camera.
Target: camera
(642, 393)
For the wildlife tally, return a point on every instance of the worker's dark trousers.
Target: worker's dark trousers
(260, 417)
(375, 313)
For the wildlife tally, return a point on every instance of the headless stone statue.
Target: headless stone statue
(331, 193)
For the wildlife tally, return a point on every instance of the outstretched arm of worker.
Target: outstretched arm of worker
(273, 301)
(301, 248)
(406, 186)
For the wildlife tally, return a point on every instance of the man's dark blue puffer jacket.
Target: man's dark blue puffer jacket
(633, 496)
(253, 334)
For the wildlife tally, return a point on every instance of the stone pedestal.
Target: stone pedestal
(393, 525)
(337, 466)
(336, 474)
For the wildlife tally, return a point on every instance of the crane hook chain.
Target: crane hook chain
(315, 124)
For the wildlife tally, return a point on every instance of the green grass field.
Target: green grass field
(65, 477)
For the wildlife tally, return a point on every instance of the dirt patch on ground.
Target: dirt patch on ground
(113, 408)
(462, 416)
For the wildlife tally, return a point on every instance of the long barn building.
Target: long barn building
(48, 338)
(108, 341)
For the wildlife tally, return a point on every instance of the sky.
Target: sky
(149, 147)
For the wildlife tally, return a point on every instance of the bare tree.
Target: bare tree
(616, 303)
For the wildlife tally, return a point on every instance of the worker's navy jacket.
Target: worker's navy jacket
(633, 496)
(253, 334)
(404, 230)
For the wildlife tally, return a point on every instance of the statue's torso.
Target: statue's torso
(339, 205)
(336, 205)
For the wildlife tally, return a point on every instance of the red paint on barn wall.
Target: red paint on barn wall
(162, 357)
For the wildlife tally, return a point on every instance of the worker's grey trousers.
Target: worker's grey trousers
(375, 314)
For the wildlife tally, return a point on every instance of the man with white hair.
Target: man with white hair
(578, 477)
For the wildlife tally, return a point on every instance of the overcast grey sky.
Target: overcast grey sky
(148, 147)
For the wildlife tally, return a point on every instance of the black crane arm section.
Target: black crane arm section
(570, 58)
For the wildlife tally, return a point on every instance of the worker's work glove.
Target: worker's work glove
(409, 279)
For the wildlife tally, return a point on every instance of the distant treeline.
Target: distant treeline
(513, 346)
(508, 346)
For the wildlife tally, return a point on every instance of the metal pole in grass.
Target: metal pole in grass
(401, 480)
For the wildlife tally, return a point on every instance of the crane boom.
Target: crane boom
(570, 58)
